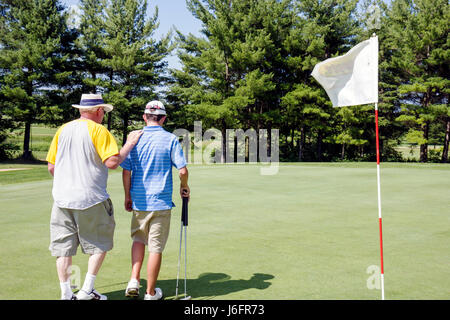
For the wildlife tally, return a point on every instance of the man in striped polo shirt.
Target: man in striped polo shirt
(147, 181)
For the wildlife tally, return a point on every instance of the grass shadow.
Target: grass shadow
(206, 286)
(24, 161)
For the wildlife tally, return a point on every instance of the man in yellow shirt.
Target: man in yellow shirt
(79, 157)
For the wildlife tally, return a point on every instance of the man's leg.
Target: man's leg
(62, 267)
(96, 232)
(153, 266)
(137, 258)
(94, 264)
(158, 234)
(63, 245)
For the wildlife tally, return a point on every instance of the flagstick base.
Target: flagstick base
(382, 286)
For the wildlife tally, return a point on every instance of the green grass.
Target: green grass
(30, 172)
(41, 138)
(410, 152)
(308, 232)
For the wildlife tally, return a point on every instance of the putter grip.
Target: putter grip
(184, 211)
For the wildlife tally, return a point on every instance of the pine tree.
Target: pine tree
(230, 76)
(91, 43)
(418, 58)
(134, 61)
(324, 28)
(32, 59)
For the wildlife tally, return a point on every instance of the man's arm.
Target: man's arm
(184, 188)
(126, 178)
(51, 168)
(114, 161)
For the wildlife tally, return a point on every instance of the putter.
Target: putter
(184, 224)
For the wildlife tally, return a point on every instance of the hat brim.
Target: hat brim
(106, 107)
(156, 112)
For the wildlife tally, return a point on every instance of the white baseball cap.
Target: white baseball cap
(155, 107)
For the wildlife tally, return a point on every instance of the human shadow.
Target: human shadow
(207, 286)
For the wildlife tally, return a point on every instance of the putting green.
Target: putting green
(308, 232)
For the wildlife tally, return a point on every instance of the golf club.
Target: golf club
(184, 224)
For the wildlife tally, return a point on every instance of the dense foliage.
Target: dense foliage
(249, 69)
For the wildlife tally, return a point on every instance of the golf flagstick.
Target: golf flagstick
(184, 224)
(379, 202)
(351, 80)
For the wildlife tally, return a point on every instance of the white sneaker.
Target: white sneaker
(158, 295)
(93, 295)
(132, 289)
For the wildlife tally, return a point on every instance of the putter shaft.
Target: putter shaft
(185, 262)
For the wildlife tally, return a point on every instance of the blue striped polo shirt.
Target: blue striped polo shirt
(150, 163)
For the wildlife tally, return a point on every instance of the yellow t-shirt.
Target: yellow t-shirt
(78, 151)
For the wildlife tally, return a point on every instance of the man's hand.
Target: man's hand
(185, 192)
(184, 188)
(133, 137)
(128, 204)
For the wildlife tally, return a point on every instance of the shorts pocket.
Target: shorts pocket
(108, 207)
(105, 236)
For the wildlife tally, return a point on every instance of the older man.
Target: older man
(79, 157)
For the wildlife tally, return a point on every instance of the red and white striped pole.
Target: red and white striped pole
(379, 202)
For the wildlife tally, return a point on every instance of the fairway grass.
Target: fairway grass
(18, 173)
(308, 232)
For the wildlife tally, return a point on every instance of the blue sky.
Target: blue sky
(172, 13)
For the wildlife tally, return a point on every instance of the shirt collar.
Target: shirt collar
(152, 128)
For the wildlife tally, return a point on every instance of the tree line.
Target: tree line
(249, 69)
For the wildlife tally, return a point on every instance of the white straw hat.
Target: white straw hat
(89, 100)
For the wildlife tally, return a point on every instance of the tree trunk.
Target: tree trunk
(109, 121)
(343, 151)
(319, 146)
(224, 143)
(111, 77)
(292, 140)
(235, 151)
(125, 130)
(27, 134)
(425, 129)
(93, 89)
(301, 143)
(26, 141)
(258, 128)
(424, 147)
(446, 142)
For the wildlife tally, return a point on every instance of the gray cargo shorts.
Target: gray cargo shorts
(91, 228)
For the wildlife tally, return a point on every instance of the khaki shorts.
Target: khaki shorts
(91, 228)
(151, 228)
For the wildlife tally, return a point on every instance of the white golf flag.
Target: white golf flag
(351, 79)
